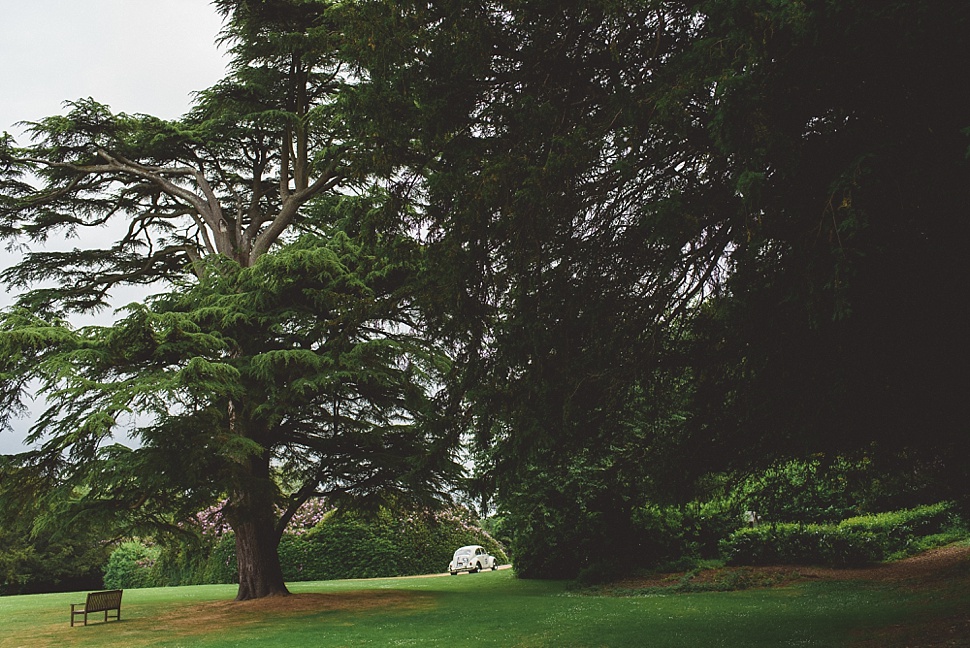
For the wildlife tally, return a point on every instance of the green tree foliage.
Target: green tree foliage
(554, 217)
(757, 200)
(303, 360)
(36, 556)
(837, 327)
(281, 332)
(661, 239)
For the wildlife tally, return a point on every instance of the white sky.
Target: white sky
(136, 56)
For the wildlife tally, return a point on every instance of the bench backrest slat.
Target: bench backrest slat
(101, 601)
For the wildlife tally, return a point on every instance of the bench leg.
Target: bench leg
(77, 614)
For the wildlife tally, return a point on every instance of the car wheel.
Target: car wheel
(454, 573)
(494, 566)
(477, 567)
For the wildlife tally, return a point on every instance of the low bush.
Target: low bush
(898, 530)
(599, 573)
(707, 523)
(220, 565)
(785, 543)
(854, 541)
(131, 565)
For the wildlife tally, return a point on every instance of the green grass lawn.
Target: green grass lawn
(486, 609)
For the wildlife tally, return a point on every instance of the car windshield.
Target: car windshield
(466, 551)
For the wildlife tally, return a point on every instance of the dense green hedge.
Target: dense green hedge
(391, 544)
(899, 530)
(131, 565)
(337, 550)
(855, 541)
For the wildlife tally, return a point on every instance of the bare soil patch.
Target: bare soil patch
(925, 570)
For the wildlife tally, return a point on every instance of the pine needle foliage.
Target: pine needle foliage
(280, 343)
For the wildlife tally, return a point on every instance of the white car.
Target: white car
(472, 558)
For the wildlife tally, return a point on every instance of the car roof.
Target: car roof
(467, 548)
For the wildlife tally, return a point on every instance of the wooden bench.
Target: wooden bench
(98, 602)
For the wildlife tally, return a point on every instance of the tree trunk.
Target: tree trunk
(260, 573)
(253, 520)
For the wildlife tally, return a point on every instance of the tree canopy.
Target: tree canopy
(688, 237)
(657, 240)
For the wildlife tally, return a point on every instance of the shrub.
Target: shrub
(182, 561)
(573, 517)
(393, 543)
(707, 523)
(221, 565)
(660, 527)
(599, 573)
(854, 541)
(785, 543)
(131, 566)
(898, 530)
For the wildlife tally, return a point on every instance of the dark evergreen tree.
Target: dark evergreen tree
(777, 184)
(34, 556)
(837, 330)
(282, 336)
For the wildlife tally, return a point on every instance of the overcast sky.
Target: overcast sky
(143, 56)
(136, 56)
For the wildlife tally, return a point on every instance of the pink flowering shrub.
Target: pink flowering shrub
(308, 516)
(212, 524)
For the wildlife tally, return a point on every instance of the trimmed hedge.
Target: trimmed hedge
(855, 541)
(338, 547)
(899, 530)
(338, 550)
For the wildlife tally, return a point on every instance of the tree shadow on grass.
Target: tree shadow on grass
(144, 624)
